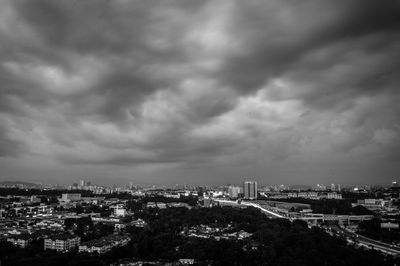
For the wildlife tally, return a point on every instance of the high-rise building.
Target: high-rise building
(250, 189)
(233, 191)
(82, 183)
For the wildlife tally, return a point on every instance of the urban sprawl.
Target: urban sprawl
(94, 220)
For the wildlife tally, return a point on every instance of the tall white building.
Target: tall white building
(250, 189)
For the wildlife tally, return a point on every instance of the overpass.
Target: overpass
(314, 217)
(263, 209)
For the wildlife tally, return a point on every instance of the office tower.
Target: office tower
(82, 183)
(250, 189)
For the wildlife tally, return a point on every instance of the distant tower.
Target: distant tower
(250, 189)
(82, 183)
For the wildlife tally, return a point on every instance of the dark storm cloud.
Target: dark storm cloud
(200, 82)
(276, 38)
(115, 33)
(8, 146)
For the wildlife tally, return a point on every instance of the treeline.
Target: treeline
(274, 242)
(34, 191)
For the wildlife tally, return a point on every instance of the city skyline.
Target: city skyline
(263, 184)
(200, 92)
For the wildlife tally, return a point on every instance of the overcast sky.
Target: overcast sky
(200, 92)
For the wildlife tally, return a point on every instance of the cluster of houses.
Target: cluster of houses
(162, 205)
(217, 233)
(59, 242)
(303, 194)
(25, 219)
(67, 242)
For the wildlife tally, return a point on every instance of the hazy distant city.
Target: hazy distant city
(199, 132)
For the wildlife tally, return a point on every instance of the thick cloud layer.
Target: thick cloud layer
(200, 91)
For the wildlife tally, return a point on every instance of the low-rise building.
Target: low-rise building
(106, 219)
(62, 242)
(186, 261)
(334, 195)
(119, 210)
(104, 244)
(22, 240)
(68, 197)
(374, 204)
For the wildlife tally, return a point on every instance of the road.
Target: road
(368, 242)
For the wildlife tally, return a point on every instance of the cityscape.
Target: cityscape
(199, 132)
(100, 225)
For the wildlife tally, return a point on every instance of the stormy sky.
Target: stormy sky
(200, 91)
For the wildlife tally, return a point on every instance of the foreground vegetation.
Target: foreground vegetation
(273, 242)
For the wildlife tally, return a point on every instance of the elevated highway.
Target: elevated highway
(251, 204)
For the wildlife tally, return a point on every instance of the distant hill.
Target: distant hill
(18, 183)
